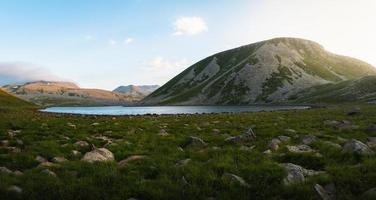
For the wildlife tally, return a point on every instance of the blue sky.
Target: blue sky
(107, 43)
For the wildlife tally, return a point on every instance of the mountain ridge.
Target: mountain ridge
(264, 72)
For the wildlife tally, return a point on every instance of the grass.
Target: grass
(158, 177)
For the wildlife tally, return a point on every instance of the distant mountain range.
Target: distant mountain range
(273, 71)
(65, 93)
(139, 91)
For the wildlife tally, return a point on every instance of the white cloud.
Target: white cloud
(22, 72)
(161, 70)
(189, 26)
(128, 40)
(112, 42)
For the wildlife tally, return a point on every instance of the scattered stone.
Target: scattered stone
(309, 139)
(332, 144)
(14, 189)
(274, 144)
(46, 164)
(76, 153)
(4, 143)
(235, 178)
(267, 152)
(71, 125)
(13, 149)
(340, 125)
(297, 174)
(284, 138)
(246, 148)
(355, 111)
(182, 163)
(131, 158)
(59, 159)
(48, 172)
(13, 133)
(40, 159)
(371, 142)
(216, 148)
(99, 154)
(95, 124)
(195, 142)
(180, 149)
(18, 173)
(162, 132)
(216, 131)
(81, 143)
(371, 128)
(324, 195)
(5, 170)
(300, 149)
(244, 137)
(290, 131)
(356, 146)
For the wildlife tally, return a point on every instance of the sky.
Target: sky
(105, 44)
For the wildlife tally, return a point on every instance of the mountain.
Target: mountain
(358, 90)
(140, 91)
(264, 72)
(10, 101)
(49, 93)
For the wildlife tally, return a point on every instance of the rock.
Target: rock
(131, 158)
(297, 174)
(71, 125)
(274, 144)
(14, 189)
(182, 163)
(324, 195)
(46, 164)
(59, 159)
(95, 124)
(300, 149)
(244, 137)
(81, 143)
(355, 111)
(355, 146)
(76, 153)
(13, 149)
(162, 132)
(100, 154)
(371, 128)
(180, 149)
(195, 142)
(5, 170)
(290, 131)
(40, 159)
(267, 152)
(370, 194)
(18, 173)
(341, 125)
(48, 172)
(4, 143)
(371, 142)
(246, 148)
(13, 133)
(309, 139)
(334, 145)
(216, 131)
(284, 138)
(235, 178)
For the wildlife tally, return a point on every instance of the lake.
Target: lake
(143, 110)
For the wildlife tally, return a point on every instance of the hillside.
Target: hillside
(139, 91)
(359, 90)
(265, 72)
(62, 93)
(9, 101)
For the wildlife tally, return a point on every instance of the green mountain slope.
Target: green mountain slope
(263, 72)
(9, 101)
(359, 90)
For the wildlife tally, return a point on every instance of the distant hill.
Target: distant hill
(140, 91)
(49, 93)
(270, 71)
(10, 101)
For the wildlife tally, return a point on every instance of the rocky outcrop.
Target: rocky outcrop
(100, 154)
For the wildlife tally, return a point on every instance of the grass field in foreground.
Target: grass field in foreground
(26, 134)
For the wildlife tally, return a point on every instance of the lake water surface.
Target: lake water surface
(142, 110)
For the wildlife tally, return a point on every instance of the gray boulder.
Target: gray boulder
(100, 154)
(356, 146)
(297, 174)
(195, 142)
(300, 149)
(247, 136)
(234, 178)
(309, 139)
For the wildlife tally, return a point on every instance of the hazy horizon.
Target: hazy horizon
(105, 44)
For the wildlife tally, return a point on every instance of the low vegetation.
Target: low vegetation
(211, 156)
